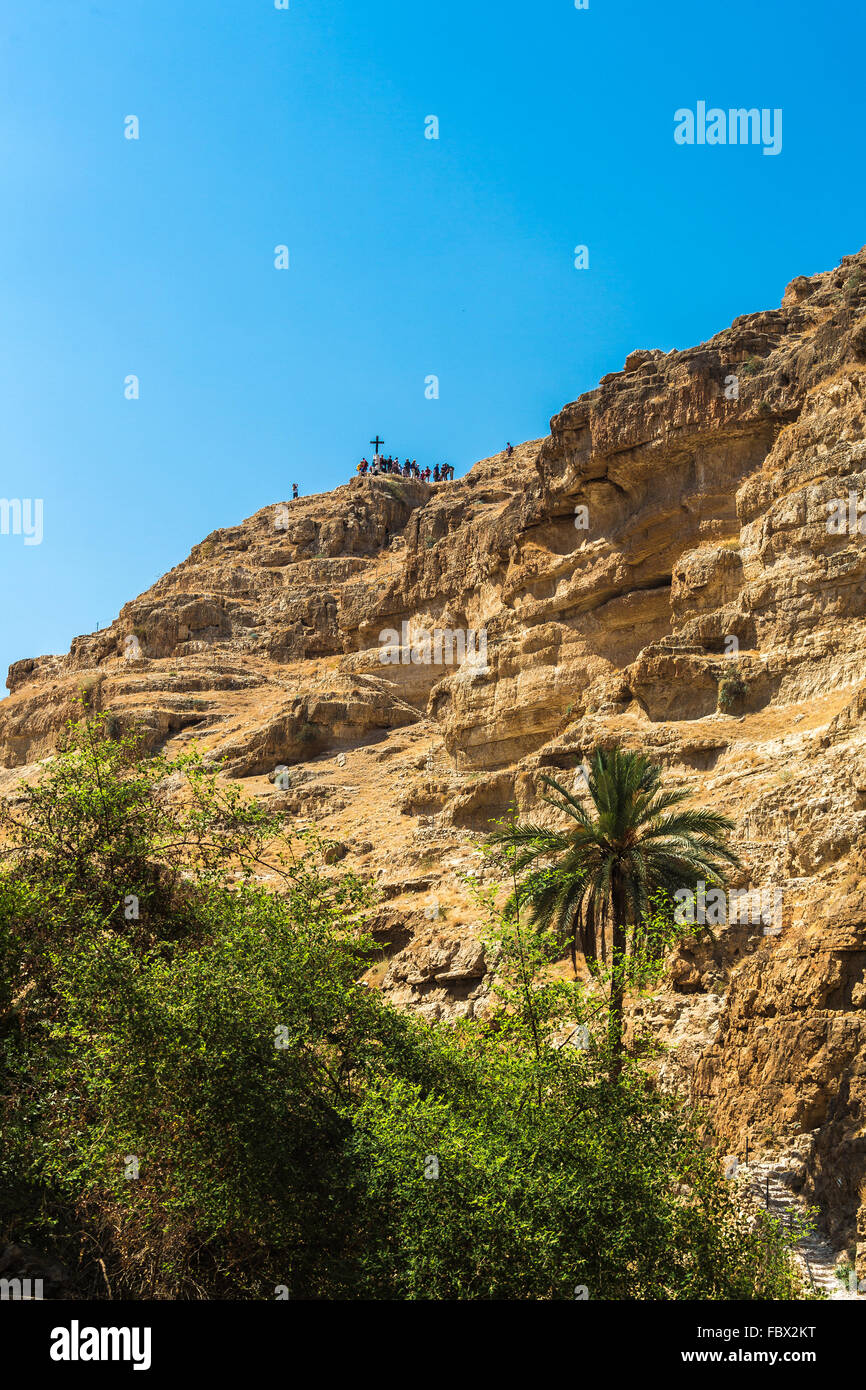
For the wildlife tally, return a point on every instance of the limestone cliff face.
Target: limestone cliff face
(669, 537)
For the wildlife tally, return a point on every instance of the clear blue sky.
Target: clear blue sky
(409, 257)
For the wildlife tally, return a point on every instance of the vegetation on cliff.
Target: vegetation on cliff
(593, 883)
(199, 1099)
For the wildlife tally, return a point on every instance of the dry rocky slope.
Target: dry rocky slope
(706, 520)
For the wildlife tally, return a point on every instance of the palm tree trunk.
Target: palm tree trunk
(617, 980)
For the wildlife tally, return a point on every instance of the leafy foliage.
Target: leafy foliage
(206, 1101)
(592, 883)
(732, 690)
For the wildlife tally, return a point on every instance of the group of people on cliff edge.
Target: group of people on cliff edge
(442, 473)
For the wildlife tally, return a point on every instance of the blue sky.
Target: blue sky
(409, 257)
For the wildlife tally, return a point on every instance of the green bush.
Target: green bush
(112, 724)
(89, 690)
(732, 691)
(290, 1128)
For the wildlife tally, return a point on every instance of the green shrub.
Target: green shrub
(732, 691)
(89, 690)
(290, 1128)
(112, 725)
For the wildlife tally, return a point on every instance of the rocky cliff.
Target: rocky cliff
(677, 567)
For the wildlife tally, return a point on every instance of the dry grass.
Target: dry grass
(849, 372)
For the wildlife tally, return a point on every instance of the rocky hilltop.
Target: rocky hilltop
(671, 569)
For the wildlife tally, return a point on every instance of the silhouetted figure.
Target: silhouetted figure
(294, 492)
(509, 450)
(435, 472)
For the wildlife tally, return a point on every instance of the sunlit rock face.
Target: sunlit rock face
(680, 567)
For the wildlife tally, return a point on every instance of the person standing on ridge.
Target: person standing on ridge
(509, 450)
(294, 492)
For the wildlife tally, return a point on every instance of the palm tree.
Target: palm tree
(592, 881)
